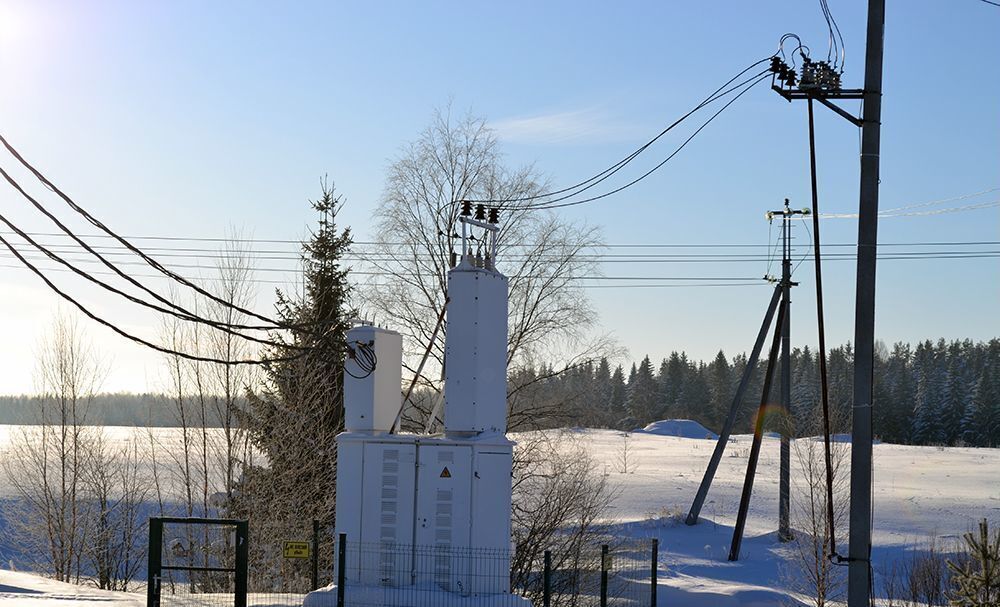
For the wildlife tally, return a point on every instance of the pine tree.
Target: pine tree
(977, 579)
(294, 419)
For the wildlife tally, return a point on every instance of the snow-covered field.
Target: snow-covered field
(18, 588)
(920, 492)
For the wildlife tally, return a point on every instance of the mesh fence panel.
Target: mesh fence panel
(400, 575)
(275, 579)
(396, 575)
(186, 545)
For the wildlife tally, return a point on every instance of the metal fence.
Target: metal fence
(199, 568)
(620, 574)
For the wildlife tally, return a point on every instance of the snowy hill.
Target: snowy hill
(681, 428)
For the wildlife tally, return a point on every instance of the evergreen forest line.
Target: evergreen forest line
(934, 393)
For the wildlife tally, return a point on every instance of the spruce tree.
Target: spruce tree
(977, 578)
(619, 396)
(695, 394)
(295, 417)
(602, 393)
(720, 389)
(805, 387)
(928, 428)
(956, 399)
(981, 424)
(642, 394)
(671, 380)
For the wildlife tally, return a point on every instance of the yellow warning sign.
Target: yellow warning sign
(446, 473)
(295, 550)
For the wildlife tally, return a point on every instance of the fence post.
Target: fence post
(652, 572)
(242, 562)
(605, 564)
(341, 566)
(153, 571)
(547, 580)
(315, 555)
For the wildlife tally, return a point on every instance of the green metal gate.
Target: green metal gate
(203, 559)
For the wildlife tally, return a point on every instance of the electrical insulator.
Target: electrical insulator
(466, 208)
(481, 212)
(494, 215)
(808, 79)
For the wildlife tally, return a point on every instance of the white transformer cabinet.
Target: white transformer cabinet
(372, 399)
(433, 510)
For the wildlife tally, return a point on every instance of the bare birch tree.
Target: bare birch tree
(45, 464)
(811, 567)
(559, 501)
(116, 490)
(543, 255)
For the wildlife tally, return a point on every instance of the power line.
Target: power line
(86, 312)
(382, 243)
(608, 172)
(889, 214)
(183, 314)
(556, 204)
(360, 269)
(98, 224)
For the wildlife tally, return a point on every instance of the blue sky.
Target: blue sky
(186, 118)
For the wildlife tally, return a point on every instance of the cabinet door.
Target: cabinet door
(444, 487)
(387, 516)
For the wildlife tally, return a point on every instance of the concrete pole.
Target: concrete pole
(859, 580)
(727, 427)
(784, 481)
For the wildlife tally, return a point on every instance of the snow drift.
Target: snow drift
(681, 428)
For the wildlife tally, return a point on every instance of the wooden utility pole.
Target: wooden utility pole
(859, 578)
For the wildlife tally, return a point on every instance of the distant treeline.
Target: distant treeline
(108, 409)
(943, 393)
(934, 393)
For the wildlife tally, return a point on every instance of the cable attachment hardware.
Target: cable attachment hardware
(363, 354)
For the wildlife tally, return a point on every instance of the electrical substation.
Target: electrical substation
(451, 492)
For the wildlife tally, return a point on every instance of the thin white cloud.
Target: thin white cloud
(591, 125)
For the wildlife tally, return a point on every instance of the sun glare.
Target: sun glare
(11, 25)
